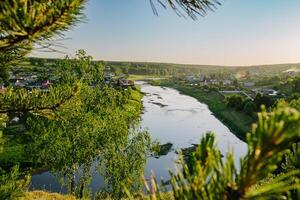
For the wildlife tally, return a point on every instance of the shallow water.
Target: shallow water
(169, 117)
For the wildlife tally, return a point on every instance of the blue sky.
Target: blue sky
(240, 32)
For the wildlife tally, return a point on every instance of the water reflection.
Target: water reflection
(182, 121)
(170, 117)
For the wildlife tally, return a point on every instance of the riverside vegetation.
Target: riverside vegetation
(80, 121)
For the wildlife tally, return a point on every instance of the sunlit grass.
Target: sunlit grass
(41, 195)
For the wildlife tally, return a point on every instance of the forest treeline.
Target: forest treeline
(80, 121)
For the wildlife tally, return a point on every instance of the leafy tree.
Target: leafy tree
(294, 96)
(234, 101)
(11, 185)
(92, 126)
(260, 100)
(296, 82)
(250, 107)
(4, 76)
(235, 83)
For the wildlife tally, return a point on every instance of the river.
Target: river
(169, 117)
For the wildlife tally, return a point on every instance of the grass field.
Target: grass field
(41, 195)
(237, 121)
(233, 94)
(136, 77)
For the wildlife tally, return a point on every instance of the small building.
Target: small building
(125, 83)
(214, 82)
(266, 91)
(249, 84)
(19, 83)
(227, 82)
(271, 92)
(190, 79)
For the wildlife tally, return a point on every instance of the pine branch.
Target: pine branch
(24, 23)
(191, 8)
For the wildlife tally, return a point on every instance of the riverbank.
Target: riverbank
(136, 77)
(42, 195)
(238, 122)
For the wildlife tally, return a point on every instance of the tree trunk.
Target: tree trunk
(73, 180)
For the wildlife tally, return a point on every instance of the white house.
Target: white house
(249, 84)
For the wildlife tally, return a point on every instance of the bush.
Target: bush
(234, 101)
(250, 107)
(294, 96)
(11, 185)
(213, 88)
(260, 100)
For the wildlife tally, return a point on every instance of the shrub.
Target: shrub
(260, 100)
(11, 185)
(234, 101)
(250, 107)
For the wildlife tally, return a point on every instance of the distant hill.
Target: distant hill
(267, 70)
(169, 68)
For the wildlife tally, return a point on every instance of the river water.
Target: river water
(169, 117)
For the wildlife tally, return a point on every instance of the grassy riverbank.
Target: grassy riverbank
(237, 121)
(41, 195)
(137, 77)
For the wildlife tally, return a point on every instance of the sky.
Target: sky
(239, 32)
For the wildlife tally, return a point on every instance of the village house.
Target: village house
(249, 84)
(214, 82)
(18, 82)
(190, 79)
(270, 92)
(125, 83)
(227, 82)
(266, 91)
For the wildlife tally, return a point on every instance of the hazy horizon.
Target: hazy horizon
(236, 34)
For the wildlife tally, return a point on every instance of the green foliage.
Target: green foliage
(250, 107)
(4, 76)
(26, 22)
(124, 166)
(295, 103)
(296, 84)
(210, 177)
(294, 96)
(80, 68)
(192, 8)
(213, 88)
(292, 158)
(12, 185)
(234, 101)
(22, 101)
(91, 125)
(260, 100)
